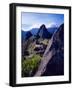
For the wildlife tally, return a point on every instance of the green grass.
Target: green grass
(30, 65)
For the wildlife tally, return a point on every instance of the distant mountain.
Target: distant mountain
(52, 62)
(34, 31)
(43, 32)
(26, 35)
(52, 29)
(23, 34)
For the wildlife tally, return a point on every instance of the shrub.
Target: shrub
(30, 65)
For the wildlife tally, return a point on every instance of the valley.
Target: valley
(34, 47)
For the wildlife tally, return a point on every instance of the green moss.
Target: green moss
(30, 65)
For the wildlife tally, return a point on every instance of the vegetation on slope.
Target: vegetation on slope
(30, 65)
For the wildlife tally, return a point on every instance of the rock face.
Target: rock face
(43, 32)
(52, 62)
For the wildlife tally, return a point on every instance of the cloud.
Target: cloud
(53, 24)
(26, 27)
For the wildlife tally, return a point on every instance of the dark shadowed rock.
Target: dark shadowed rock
(52, 62)
(26, 35)
(43, 32)
(56, 64)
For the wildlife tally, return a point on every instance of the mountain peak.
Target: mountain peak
(43, 32)
(43, 26)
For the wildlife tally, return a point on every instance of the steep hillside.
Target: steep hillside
(43, 32)
(52, 62)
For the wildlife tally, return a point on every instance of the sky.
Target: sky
(31, 20)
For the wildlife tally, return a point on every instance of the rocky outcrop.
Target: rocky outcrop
(52, 62)
(43, 32)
